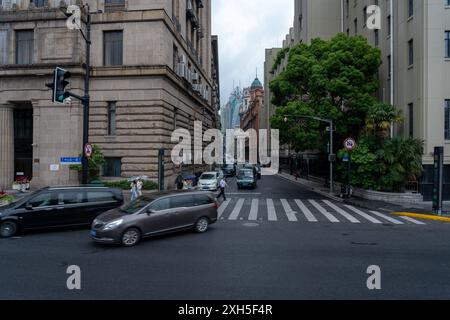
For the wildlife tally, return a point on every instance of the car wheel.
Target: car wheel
(202, 225)
(8, 229)
(131, 237)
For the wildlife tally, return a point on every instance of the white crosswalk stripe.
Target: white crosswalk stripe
(364, 215)
(308, 214)
(413, 220)
(272, 214)
(237, 209)
(346, 215)
(223, 207)
(254, 210)
(385, 217)
(291, 214)
(324, 211)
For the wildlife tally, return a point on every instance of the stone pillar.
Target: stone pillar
(6, 146)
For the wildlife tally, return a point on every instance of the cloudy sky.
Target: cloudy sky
(245, 28)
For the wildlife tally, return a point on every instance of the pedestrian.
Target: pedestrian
(179, 182)
(134, 191)
(139, 186)
(222, 185)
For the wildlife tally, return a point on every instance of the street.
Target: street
(292, 250)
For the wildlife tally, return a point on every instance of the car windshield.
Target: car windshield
(135, 205)
(207, 177)
(245, 174)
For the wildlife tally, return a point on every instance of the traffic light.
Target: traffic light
(59, 84)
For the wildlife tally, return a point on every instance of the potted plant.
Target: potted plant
(21, 184)
(5, 199)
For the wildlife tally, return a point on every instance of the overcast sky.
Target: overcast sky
(245, 29)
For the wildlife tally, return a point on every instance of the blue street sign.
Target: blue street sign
(70, 161)
(346, 158)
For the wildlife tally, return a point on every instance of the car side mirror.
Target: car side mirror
(150, 212)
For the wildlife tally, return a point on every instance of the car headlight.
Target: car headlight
(113, 225)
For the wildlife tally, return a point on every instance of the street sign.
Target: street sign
(350, 144)
(88, 150)
(346, 158)
(70, 161)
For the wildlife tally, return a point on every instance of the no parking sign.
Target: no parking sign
(350, 144)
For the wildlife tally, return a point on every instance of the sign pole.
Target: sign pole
(438, 180)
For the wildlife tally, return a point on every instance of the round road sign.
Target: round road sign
(350, 144)
(88, 150)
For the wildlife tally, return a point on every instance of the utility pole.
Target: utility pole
(86, 98)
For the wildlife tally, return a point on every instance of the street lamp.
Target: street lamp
(331, 157)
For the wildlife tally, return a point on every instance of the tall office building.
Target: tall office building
(154, 69)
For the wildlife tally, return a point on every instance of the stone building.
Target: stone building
(154, 69)
(414, 40)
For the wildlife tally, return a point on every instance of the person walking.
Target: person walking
(139, 186)
(134, 190)
(222, 185)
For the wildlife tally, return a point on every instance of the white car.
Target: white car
(209, 181)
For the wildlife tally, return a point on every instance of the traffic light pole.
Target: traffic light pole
(86, 99)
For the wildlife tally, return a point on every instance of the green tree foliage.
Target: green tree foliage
(336, 79)
(96, 161)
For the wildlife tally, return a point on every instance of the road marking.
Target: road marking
(413, 220)
(244, 194)
(323, 211)
(289, 212)
(308, 214)
(346, 215)
(237, 209)
(223, 207)
(271, 210)
(364, 215)
(254, 210)
(392, 220)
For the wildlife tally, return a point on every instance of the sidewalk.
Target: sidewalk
(418, 208)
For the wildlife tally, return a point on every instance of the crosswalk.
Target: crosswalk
(309, 210)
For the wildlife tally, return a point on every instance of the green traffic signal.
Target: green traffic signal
(59, 85)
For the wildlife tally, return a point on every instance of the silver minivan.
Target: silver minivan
(156, 214)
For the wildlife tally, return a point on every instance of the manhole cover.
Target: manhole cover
(251, 225)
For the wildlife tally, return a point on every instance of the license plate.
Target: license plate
(205, 188)
(93, 233)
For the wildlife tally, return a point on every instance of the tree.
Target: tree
(332, 79)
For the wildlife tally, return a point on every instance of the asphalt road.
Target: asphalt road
(256, 251)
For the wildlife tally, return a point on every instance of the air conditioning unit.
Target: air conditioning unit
(198, 88)
(195, 76)
(181, 70)
(189, 75)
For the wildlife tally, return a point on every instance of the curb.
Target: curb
(422, 216)
(314, 189)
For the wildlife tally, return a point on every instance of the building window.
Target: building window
(389, 25)
(411, 120)
(113, 167)
(347, 8)
(355, 22)
(114, 5)
(38, 3)
(113, 48)
(447, 44)
(112, 119)
(364, 16)
(410, 8)
(377, 38)
(389, 59)
(447, 119)
(411, 52)
(24, 46)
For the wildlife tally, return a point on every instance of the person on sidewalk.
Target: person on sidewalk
(139, 187)
(134, 190)
(222, 184)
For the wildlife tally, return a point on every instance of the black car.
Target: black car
(57, 207)
(229, 170)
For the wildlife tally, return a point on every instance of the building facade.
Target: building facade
(414, 40)
(154, 70)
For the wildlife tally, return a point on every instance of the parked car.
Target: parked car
(57, 207)
(229, 170)
(154, 215)
(246, 178)
(209, 181)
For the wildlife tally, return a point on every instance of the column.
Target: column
(6, 146)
